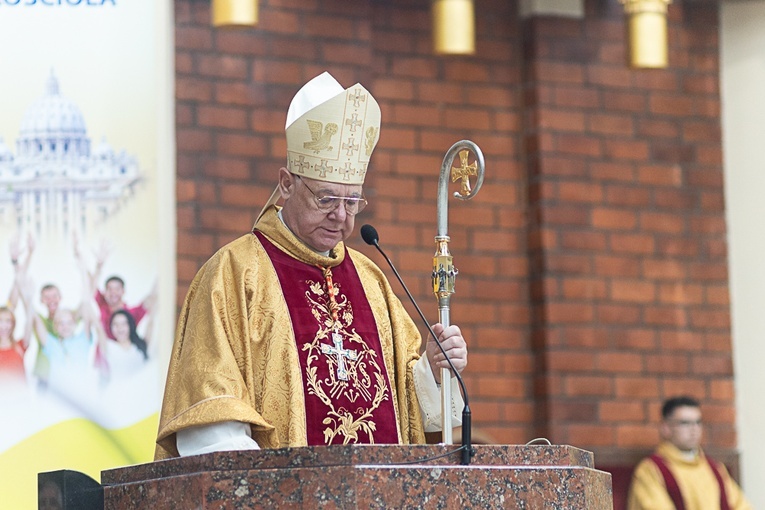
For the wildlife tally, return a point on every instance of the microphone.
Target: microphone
(370, 236)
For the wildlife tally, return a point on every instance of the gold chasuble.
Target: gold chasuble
(307, 349)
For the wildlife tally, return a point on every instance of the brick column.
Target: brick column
(627, 232)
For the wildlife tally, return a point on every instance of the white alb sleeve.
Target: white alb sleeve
(218, 437)
(429, 397)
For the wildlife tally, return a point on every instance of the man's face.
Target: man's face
(318, 229)
(113, 293)
(50, 298)
(683, 428)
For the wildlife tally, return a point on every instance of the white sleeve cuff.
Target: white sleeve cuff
(429, 397)
(218, 437)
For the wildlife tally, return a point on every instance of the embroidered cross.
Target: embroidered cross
(464, 172)
(350, 147)
(357, 97)
(323, 167)
(301, 164)
(353, 122)
(346, 171)
(342, 372)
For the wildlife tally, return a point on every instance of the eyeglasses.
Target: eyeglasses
(328, 203)
(686, 423)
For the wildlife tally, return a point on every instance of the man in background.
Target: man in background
(678, 474)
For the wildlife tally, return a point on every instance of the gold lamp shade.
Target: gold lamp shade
(453, 27)
(647, 32)
(234, 13)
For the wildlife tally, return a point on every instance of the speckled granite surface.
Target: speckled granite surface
(364, 476)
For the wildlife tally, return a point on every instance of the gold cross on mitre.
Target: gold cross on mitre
(464, 172)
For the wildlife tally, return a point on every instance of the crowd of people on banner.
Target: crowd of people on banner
(93, 344)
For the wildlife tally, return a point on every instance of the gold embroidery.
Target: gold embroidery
(371, 138)
(323, 168)
(364, 382)
(347, 171)
(300, 164)
(357, 97)
(353, 122)
(320, 139)
(350, 147)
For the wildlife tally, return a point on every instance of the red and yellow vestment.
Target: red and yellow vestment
(260, 341)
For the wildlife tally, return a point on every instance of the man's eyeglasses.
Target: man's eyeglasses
(686, 423)
(328, 203)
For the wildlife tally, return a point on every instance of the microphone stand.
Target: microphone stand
(369, 234)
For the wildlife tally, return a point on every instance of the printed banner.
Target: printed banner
(80, 237)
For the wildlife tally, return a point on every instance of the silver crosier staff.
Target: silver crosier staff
(444, 272)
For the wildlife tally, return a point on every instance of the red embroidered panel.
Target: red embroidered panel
(347, 390)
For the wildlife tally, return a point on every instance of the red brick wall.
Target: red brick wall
(593, 278)
(628, 250)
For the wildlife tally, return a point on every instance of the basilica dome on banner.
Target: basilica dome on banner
(56, 180)
(52, 126)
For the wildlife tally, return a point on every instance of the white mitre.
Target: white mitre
(318, 90)
(331, 132)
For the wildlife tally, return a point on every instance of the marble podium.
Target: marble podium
(365, 476)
